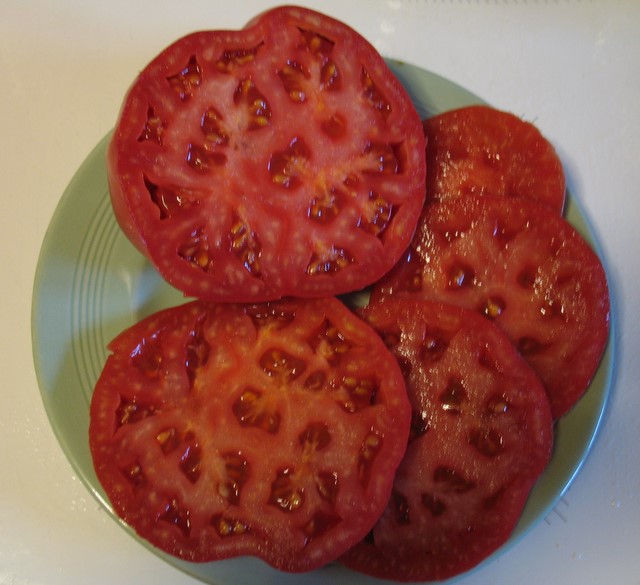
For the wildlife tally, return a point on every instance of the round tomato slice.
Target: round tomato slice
(284, 159)
(526, 268)
(481, 434)
(485, 151)
(271, 430)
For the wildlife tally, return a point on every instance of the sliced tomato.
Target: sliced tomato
(524, 267)
(284, 159)
(482, 433)
(271, 430)
(481, 150)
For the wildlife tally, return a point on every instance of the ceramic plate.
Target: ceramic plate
(91, 283)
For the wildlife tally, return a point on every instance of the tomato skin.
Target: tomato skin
(271, 430)
(485, 151)
(524, 267)
(482, 432)
(284, 159)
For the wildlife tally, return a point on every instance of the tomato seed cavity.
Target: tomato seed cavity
(330, 343)
(187, 80)
(153, 128)
(377, 215)
(131, 412)
(489, 442)
(370, 448)
(279, 364)
(195, 250)
(451, 481)
(434, 504)
(285, 494)
(329, 261)
(374, 96)
(177, 516)
(327, 486)
(287, 166)
(232, 59)
(237, 474)
(453, 397)
(252, 410)
(318, 525)
(256, 107)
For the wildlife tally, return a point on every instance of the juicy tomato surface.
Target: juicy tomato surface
(271, 430)
(485, 151)
(524, 267)
(481, 434)
(283, 159)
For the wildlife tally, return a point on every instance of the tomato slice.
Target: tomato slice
(284, 159)
(482, 433)
(524, 267)
(481, 150)
(271, 430)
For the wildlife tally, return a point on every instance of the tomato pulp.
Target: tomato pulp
(284, 159)
(271, 430)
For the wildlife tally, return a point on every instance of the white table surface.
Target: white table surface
(572, 66)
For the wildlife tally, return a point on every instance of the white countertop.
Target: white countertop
(572, 66)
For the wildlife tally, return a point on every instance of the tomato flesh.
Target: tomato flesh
(484, 151)
(525, 268)
(481, 434)
(271, 430)
(284, 159)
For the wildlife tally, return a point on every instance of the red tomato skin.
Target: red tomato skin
(526, 268)
(458, 492)
(485, 151)
(310, 207)
(225, 430)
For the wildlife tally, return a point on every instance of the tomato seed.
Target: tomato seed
(168, 439)
(493, 307)
(226, 526)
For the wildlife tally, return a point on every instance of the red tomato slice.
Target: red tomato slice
(524, 267)
(484, 151)
(284, 159)
(481, 435)
(271, 430)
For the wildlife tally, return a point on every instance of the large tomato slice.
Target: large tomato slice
(271, 430)
(485, 151)
(281, 159)
(482, 433)
(524, 267)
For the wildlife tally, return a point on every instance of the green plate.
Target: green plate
(91, 283)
